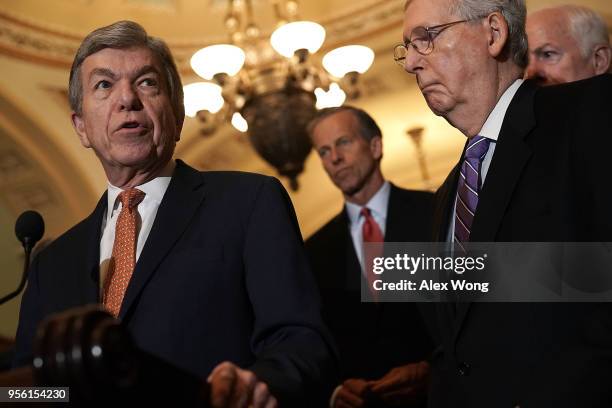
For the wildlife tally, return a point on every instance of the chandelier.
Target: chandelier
(269, 87)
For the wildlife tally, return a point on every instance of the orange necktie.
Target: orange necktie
(123, 259)
(371, 233)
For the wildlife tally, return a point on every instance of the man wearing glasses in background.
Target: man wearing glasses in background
(534, 169)
(566, 44)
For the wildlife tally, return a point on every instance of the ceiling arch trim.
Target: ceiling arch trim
(35, 41)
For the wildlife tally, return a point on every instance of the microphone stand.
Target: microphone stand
(27, 246)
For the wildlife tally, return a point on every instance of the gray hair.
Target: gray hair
(122, 35)
(514, 12)
(588, 28)
(368, 128)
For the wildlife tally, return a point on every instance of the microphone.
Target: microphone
(29, 229)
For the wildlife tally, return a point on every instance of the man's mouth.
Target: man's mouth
(424, 88)
(132, 126)
(341, 172)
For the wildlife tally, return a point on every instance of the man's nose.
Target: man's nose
(533, 69)
(129, 98)
(335, 156)
(413, 62)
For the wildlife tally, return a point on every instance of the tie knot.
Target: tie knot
(477, 148)
(131, 198)
(365, 211)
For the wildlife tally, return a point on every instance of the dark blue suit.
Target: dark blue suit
(222, 276)
(372, 338)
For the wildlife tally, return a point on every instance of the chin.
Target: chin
(346, 188)
(437, 105)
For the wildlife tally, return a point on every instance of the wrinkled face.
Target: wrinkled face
(554, 55)
(348, 158)
(452, 73)
(126, 116)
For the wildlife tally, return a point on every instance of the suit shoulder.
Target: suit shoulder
(238, 182)
(416, 196)
(327, 234)
(236, 177)
(70, 241)
(595, 90)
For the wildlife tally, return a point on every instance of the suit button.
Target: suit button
(464, 369)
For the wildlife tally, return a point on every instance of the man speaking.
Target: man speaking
(206, 270)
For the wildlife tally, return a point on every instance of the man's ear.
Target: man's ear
(376, 147)
(602, 58)
(179, 129)
(497, 33)
(79, 127)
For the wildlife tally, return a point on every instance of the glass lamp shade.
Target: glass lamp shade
(202, 96)
(290, 37)
(239, 123)
(217, 59)
(330, 99)
(351, 58)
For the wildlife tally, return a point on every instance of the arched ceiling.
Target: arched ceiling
(43, 166)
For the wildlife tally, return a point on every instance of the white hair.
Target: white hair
(513, 11)
(587, 27)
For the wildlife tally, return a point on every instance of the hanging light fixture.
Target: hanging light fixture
(270, 88)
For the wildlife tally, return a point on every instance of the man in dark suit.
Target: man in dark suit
(383, 346)
(206, 270)
(534, 169)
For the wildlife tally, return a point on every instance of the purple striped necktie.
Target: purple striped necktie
(468, 188)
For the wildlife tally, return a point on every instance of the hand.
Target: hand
(233, 387)
(403, 385)
(352, 394)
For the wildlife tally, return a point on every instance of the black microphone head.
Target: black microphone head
(29, 228)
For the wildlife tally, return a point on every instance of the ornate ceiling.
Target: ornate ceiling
(44, 167)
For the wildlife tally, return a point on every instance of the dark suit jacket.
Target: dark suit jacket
(372, 338)
(222, 276)
(548, 182)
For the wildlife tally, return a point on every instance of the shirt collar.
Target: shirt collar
(154, 192)
(493, 124)
(378, 204)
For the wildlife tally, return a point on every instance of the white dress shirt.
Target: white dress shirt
(490, 130)
(378, 205)
(147, 209)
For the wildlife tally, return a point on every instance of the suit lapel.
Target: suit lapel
(91, 279)
(180, 203)
(511, 155)
(397, 212)
(351, 268)
(445, 200)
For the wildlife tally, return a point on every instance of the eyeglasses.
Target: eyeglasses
(421, 39)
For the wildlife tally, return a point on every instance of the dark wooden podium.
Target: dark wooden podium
(89, 351)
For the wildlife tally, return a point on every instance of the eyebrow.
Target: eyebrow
(102, 72)
(541, 47)
(107, 72)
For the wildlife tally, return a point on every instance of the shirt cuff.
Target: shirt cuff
(332, 399)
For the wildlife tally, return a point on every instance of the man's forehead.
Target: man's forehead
(335, 126)
(133, 58)
(547, 28)
(425, 13)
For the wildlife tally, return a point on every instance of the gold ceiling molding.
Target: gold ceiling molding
(379, 16)
(37, 42)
